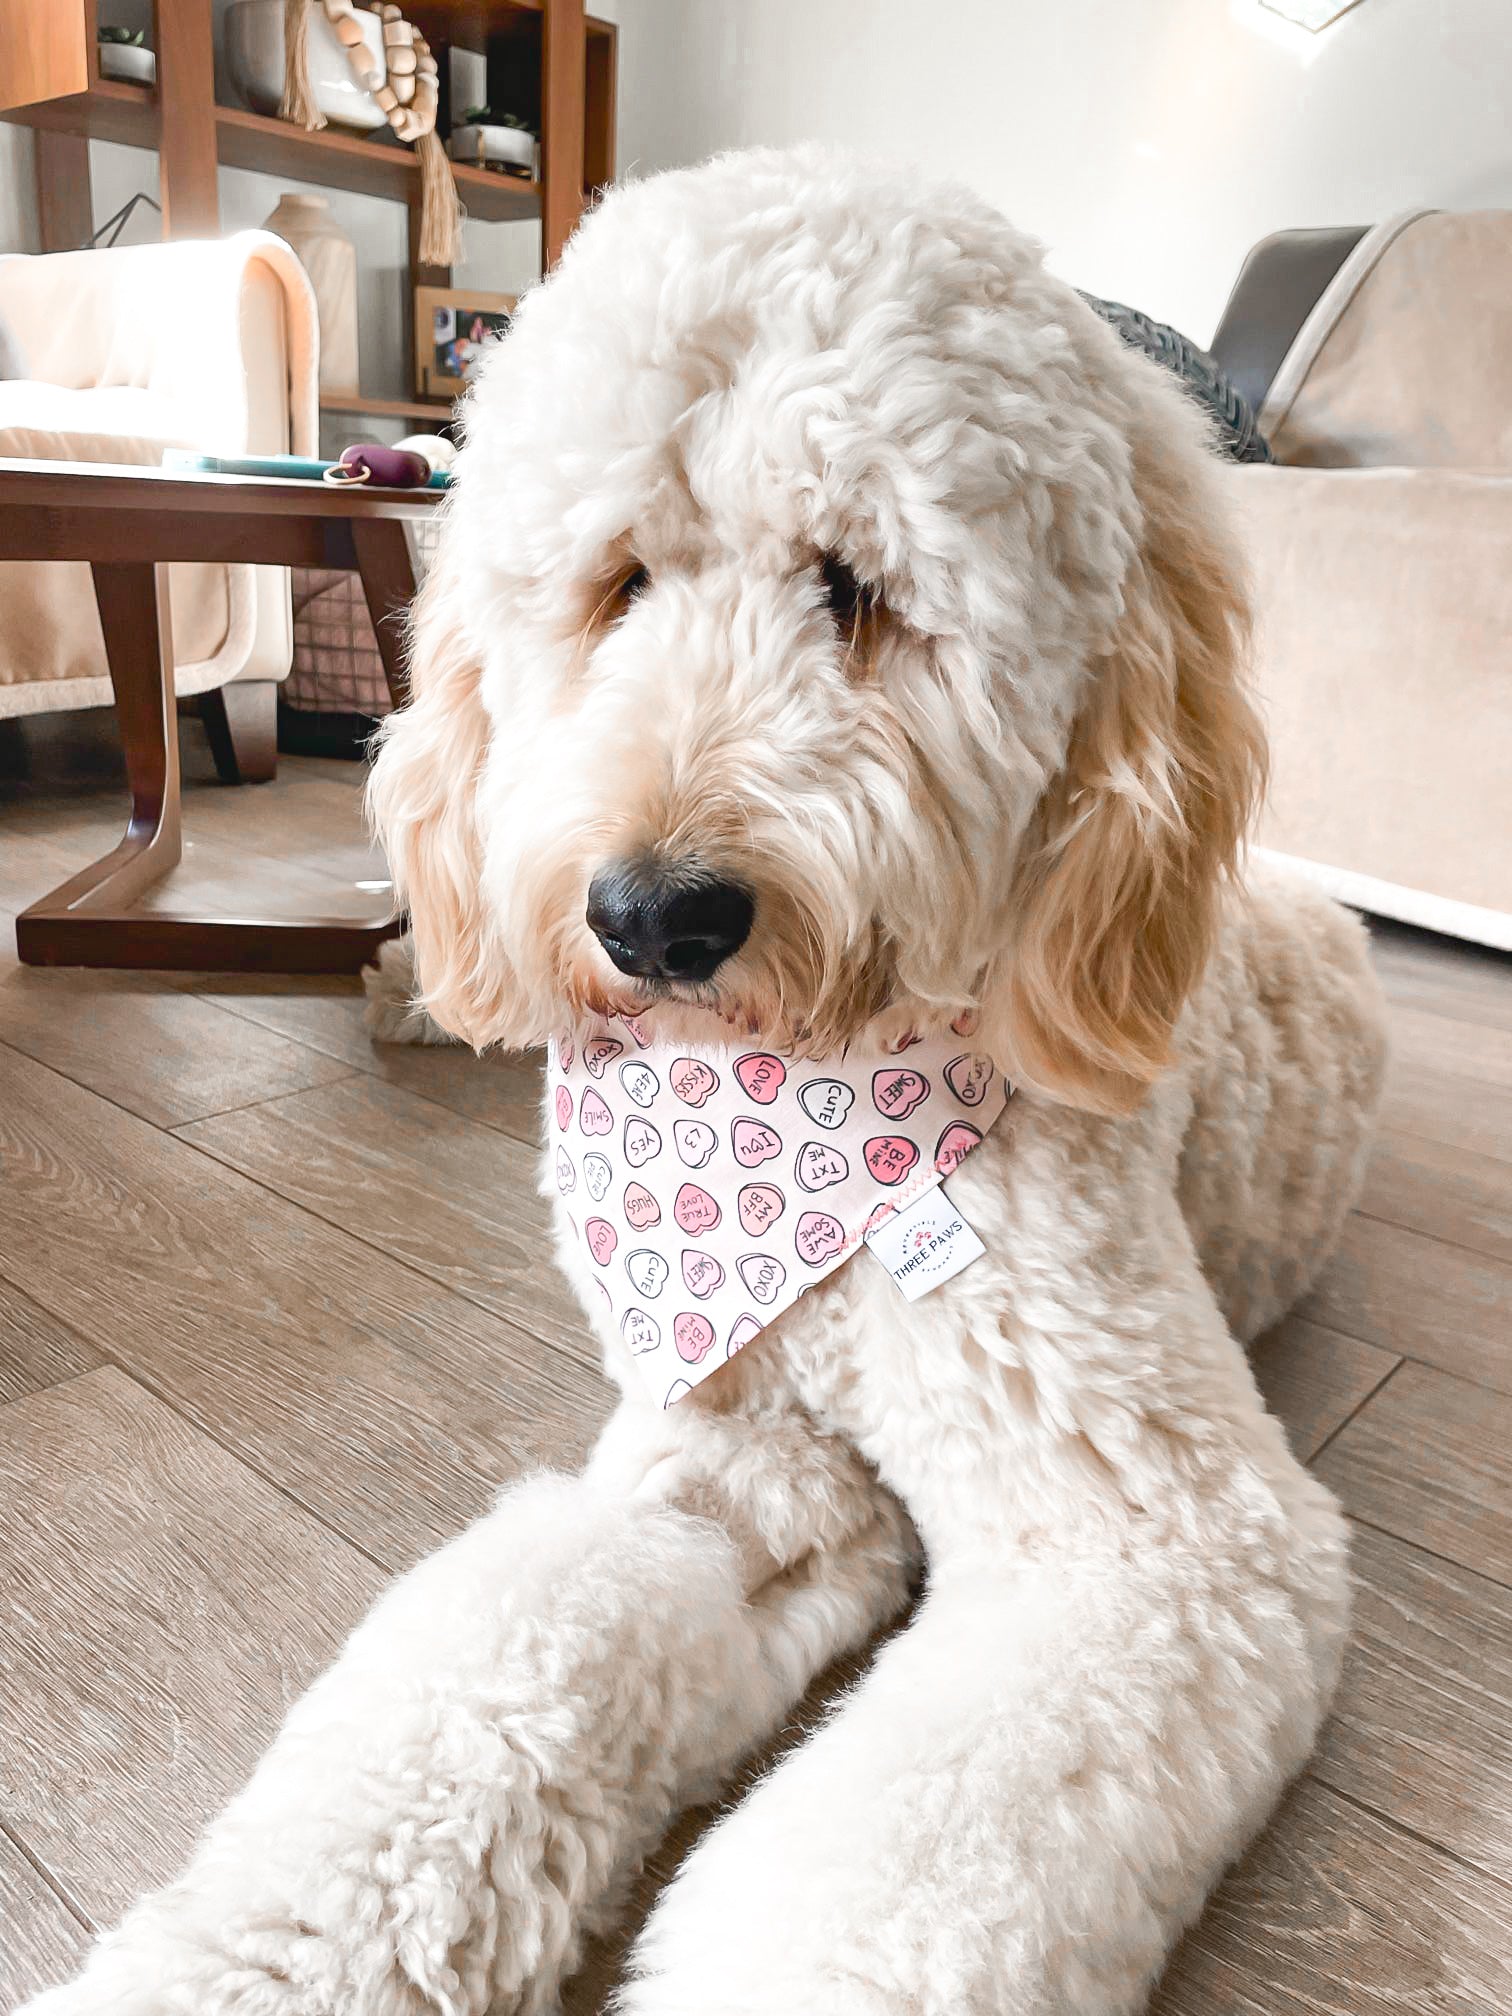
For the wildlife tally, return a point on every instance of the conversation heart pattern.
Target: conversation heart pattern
(702, 1274)
(827, 1101)
(693, 1080)
(761, 1077)
(722, 1186)
(640, 1081)
(693, 1335)
(895, 1093)
(696, 1142)
(640, 1331)
(640, 1207)
(820, 1165)
(743, 1330)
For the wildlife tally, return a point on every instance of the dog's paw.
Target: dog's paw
(392, 1014)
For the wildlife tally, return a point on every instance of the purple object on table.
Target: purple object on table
(393, 468)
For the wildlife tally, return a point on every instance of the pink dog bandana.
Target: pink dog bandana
(710, 1190)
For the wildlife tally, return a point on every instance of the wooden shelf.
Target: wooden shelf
(372, 167)
(386, 409)
(128, 114)
(109, 110)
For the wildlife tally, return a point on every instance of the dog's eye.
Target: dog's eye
(634, 583)
(850, 600)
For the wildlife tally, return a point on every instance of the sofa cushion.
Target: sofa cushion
(116, 423)
(1384, 607)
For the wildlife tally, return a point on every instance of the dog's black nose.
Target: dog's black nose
(661, 925)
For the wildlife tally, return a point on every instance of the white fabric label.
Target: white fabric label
(926, 1243)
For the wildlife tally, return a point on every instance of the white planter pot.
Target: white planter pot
(255, 59)
(127, 63)
(493, 147)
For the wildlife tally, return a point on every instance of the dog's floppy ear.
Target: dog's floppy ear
(423, 800)
(1116, 905)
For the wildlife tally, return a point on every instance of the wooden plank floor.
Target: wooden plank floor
(261, 1344)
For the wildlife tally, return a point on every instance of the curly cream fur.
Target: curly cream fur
(1017, 794)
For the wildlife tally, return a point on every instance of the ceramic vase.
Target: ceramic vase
(254, 32)
(330, 258)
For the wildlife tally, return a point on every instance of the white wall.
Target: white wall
(1148, 142)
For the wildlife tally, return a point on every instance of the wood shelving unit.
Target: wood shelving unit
(386, 409)
(50, 80)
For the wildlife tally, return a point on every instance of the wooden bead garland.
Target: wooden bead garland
(408, 97)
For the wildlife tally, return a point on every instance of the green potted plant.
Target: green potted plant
(492, 139)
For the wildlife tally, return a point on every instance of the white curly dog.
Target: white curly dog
(811, 541)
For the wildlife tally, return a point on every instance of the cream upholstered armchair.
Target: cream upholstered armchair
(209, 345)
(1380, 363)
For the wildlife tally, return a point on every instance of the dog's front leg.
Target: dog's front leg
(456, 1802)
(1031, 1793)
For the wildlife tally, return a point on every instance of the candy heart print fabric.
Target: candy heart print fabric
(710, 1188)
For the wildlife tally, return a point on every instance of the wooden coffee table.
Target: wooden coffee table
(127, 523)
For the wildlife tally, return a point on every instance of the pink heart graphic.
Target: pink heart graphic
(695, 1210)
(594, 1116)
(602, 1240)
(702, 1274)
(692, 1080)
(693, 1336)
(754, 1143)
(818, 1238)
(746, 1327)
(954, 1145)
(820, 1167)
(896, 1093)
(760, 1206)
(890, 1157)
(642, 1142)
(563, 1108)
(763, 1275)
(641, 1208)
(761, 1077)
(565, 1051)
(637, 1027)
(603, 1050)
(566, 1175)
(968, 1077)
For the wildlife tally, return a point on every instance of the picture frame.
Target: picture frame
(452, 324)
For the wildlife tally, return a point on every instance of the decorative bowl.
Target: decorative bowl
(128, 63)
(494, 147)
(255, 60)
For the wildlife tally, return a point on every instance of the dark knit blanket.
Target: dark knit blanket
(1235, 429)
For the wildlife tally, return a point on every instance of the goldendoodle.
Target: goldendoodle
(829, 731)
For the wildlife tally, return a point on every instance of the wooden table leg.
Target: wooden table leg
(133, 602)
(90, 921)
(388, 582)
